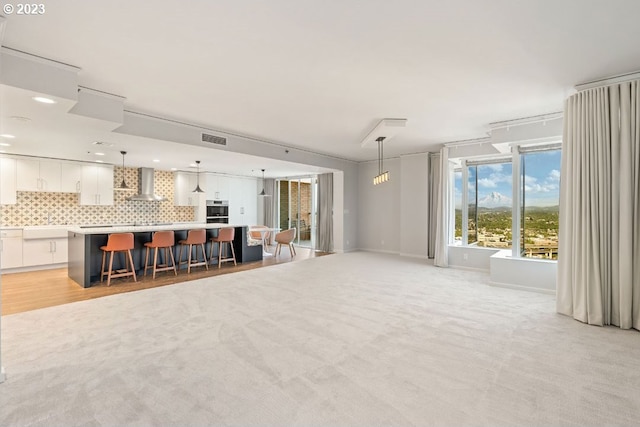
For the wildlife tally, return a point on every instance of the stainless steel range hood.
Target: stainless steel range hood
(146, 187)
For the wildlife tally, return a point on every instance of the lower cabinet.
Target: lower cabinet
(44, 251)
(11, 249)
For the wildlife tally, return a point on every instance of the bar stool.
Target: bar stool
(118, 242)
(195, 238)
(225, 235)
(161, 240)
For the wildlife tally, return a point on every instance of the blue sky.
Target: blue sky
(542, 181)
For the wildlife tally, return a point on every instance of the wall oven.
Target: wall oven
(217, 211)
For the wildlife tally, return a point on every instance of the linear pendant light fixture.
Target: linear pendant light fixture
(384, 130)
(198, 189)
(382, 176)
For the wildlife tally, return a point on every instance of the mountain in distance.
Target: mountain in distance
(495, 200)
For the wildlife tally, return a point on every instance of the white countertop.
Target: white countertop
(147, 228)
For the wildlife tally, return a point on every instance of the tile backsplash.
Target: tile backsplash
(39, 208)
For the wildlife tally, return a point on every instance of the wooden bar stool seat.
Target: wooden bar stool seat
(118, 242)
(225, 235)
(161, 240)
(195, 238)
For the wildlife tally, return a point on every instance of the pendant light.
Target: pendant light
(123, 185)
(383, 176)
(262, 193)
(198, 189)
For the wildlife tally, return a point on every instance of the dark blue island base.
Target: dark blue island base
(85, 255)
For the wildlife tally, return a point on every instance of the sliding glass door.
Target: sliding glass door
(297, 208)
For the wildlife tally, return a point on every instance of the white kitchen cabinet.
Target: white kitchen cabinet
(184, 184)
(44, 245)
(250, 201)
(243, 201)
(7, 181)
(44, 251)
(71, 177)
(96, 185)
(10, 248)
(38, 175)
(217, 187)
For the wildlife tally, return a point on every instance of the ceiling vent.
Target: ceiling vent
(214, 139)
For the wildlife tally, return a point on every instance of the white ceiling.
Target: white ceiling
(320, 75)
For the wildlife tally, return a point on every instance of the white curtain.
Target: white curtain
(270, 206)
(324, 241)
(445, 212)
(434, 185)
(599, 242)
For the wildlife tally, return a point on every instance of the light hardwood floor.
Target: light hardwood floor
(46, 288)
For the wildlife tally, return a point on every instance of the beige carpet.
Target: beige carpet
(356, 339)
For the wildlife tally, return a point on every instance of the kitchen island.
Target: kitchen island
(85, 255)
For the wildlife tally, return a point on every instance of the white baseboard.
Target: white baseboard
(379, 251)
(522, 288)
(425, 257)
(34, 268)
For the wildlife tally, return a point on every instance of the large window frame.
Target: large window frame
(518, 183)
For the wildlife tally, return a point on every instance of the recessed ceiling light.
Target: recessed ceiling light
(43, 100)
(5, 144)
(99, 154)
(2, 151)
(6, 135)
(99, 161)
(156, 161)
(174, 169)
(192, 165)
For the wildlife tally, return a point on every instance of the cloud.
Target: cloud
(487, 183)
(496, 167)
(554, 175)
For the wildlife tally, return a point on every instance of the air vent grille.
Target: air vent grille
(214, 139)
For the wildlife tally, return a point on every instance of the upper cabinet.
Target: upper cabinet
(71, 177)
(96, 185)
(7, 181)
(38, 175)
(48, 175)
(218, 187)
(184, 184)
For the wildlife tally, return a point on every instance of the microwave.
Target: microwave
(217, 211)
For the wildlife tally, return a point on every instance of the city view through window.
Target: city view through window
(490, 205)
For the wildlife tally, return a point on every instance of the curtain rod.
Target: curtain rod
(607, 81)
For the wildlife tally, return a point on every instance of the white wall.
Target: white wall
(379, 207)
(521, 273)
(471, 257)
(414, 213)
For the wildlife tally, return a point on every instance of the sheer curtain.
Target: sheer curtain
(434, 185)
(599, 242)
(445, 211)
(270, 203)
(325, 213)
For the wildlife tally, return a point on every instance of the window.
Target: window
(490, 204)
(485, 207)
(539, 204)
(457, 198)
